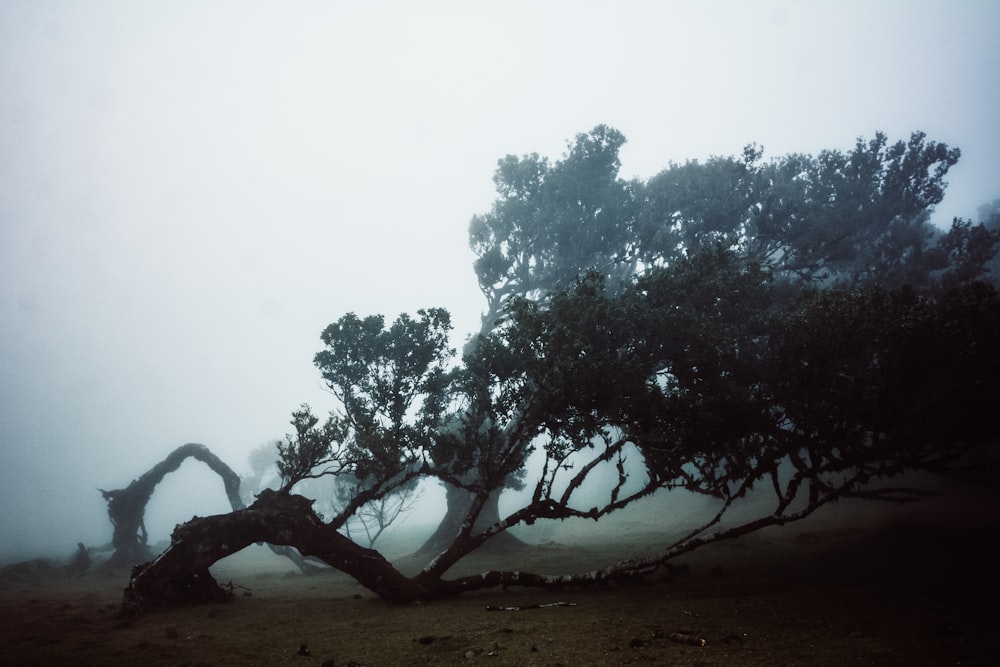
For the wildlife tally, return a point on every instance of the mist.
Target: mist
(192, 191)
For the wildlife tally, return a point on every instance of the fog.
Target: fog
(192, 191)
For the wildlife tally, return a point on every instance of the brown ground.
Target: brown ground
(913, 586)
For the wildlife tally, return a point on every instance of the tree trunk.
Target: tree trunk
(127, 507)
(180, 574)
(458, 502)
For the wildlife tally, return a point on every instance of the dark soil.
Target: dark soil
(906, 587)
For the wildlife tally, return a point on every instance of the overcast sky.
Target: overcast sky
(191, 191)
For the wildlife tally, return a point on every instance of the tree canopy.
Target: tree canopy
(796, 326)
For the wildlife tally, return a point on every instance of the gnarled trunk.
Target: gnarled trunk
(181, 573)
(127, 507)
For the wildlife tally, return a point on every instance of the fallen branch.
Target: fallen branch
(490, 607)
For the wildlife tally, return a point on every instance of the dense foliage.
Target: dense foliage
(795, 327)
(796, 322)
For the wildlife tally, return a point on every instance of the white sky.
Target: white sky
(190, 191)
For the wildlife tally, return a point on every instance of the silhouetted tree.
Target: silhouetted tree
(847, 218)
(721, 360)
(854, 218)
(127, 507)
(550, 223)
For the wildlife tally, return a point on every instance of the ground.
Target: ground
(906, 586)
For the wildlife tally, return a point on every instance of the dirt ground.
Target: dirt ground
(908, 586)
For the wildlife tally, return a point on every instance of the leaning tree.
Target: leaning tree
(838, 218)
(551, 222)
(700, 354)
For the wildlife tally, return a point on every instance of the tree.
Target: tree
(989, 218)
(851, 218)
(376, 515)
(263, 472)
(969, 252)
(815, 401)
(127, 507)
(393, 387)
(838, 218)
(551, 221)
(714, 366)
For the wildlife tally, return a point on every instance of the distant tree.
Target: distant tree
(967, 252)
(989, 214)
(854, 218)
(989, 217)
(263, 472)
(719, 352)
(127, 507)
(373, 518)
(550, 222)
(553, 220)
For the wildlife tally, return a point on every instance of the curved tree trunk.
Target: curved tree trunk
(127, 507)
(458, 502)
(180, 575)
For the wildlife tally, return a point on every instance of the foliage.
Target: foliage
(989, 218)
(838, 218)
(877, 382)
(393, 387)
(727, 322)
(551, 220)
(392, 384)
(718, 390)
(794, 326)
(311, 451)
(967, 251)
